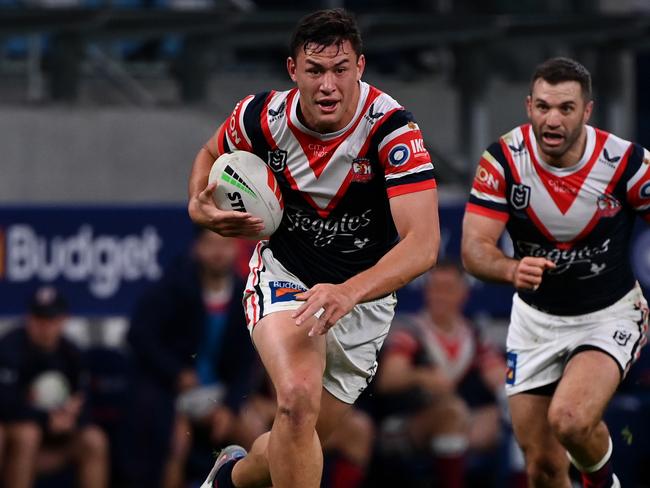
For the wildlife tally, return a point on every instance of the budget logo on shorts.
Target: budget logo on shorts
(284, 291)
(520, 196)
(511, 365)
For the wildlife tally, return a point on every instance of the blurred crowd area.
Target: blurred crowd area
(155, 405)
(164, 388)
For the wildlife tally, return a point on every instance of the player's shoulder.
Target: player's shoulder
(617, 141)
(510, 144)
(380, 98)
(257, 100)
(616, 148)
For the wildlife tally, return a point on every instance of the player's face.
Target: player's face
(328, 81)
(558, 114)
(446, 293)
(45, 332)
(217, 254)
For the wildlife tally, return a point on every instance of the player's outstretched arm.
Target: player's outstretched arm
(201, 205)
(483, 258)
(416, 219)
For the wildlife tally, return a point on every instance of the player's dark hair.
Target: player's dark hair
(331, 27)
(449, 263)
(558, 70)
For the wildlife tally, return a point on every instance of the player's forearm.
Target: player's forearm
(200, 172)
(197, 183)
(487, 262)
(411, 257)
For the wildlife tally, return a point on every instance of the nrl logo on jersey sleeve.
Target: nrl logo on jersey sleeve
(520, 196)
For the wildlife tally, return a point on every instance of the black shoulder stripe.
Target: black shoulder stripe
(394, 121)
(634, 162)
(496, 150)
(252, 117)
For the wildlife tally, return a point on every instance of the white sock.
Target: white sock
(595, 467)
(449, 444)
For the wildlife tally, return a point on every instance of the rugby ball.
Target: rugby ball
(50, 390)
(246, 184)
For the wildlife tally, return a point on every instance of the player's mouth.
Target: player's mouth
(327, 106)
(552, 138)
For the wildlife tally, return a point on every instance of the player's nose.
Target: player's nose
(554, 118)
(327, 82)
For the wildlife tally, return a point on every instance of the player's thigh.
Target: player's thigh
(332, 412)
(588, 383)
(532, 430)
(289, 355)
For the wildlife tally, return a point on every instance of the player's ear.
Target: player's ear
(589, 107)
(361, 66)
(529, 106)
(291, 68)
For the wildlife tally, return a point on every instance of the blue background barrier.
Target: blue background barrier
(102, 257)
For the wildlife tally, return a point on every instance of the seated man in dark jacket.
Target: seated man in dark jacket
(194, 361)
(42, 404)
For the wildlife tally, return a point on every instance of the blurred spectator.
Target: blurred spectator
(194, 364)
(438, 384)
(348, 451)
(629, 422)
(42, 404)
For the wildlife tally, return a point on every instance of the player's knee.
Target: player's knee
(569, 425)
(25, 436)
(93, 441)
(360, 426)
(543, 469)
(298, 402)
(360, 433)
(448, 414)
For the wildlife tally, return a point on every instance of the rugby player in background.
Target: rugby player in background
(568, 193)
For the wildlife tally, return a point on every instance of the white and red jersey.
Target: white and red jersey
(464, 357)
(336, 187)
(580, 217)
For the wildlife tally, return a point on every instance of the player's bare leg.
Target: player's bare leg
(253, 470)
(91, 455)
(23, 444)
(547, 465)
(577, 408)
(295, 363)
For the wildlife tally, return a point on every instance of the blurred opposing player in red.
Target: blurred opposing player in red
(439, 381)
(568, 194)
(360, 221)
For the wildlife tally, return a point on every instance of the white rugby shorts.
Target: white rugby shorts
(540, 344)
(353, 344)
